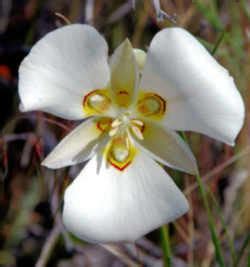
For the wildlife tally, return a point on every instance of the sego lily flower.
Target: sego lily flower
(132, 106)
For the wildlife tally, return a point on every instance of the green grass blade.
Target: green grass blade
(165, 242)
(211, 223)
(209, 11)
(225, 228)
(242, 250)
(219, 41)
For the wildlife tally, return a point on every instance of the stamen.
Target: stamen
(116, 123)
(127, 142)
(137, 132)
(138, 122)
(113, 131)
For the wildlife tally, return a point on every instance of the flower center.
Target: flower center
(124, 124)
(120, 151)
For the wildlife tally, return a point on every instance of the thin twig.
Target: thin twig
(5, 10)
(120, 12)
(57, 123)
(118, 252)
(89, 11)
(217, 169)
(15, 137)
(49, 246)
(63, 18)
(162, 15)
(54, 235)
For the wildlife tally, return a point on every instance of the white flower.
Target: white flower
(134, 104)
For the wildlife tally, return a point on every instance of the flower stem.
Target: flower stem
(218, 42)
(211, 223)
(165, 242)
(225, 229)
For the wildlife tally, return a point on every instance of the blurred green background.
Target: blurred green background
(31, 233)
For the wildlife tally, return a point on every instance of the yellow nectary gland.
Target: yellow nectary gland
(123, 98)
(151, 105)
(104, 124)
(96, 102)
(121, 152)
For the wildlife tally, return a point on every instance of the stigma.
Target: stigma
(125, 124)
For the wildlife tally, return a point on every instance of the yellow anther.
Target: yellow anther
(137, 132)
(116, 123)
(113, 131)
(137, 122)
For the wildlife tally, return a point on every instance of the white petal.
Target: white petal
(61, 68)
(76, 147)
(168, 148)
(112, 205)
(201, 95)
(124, 74)
(140, 57)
